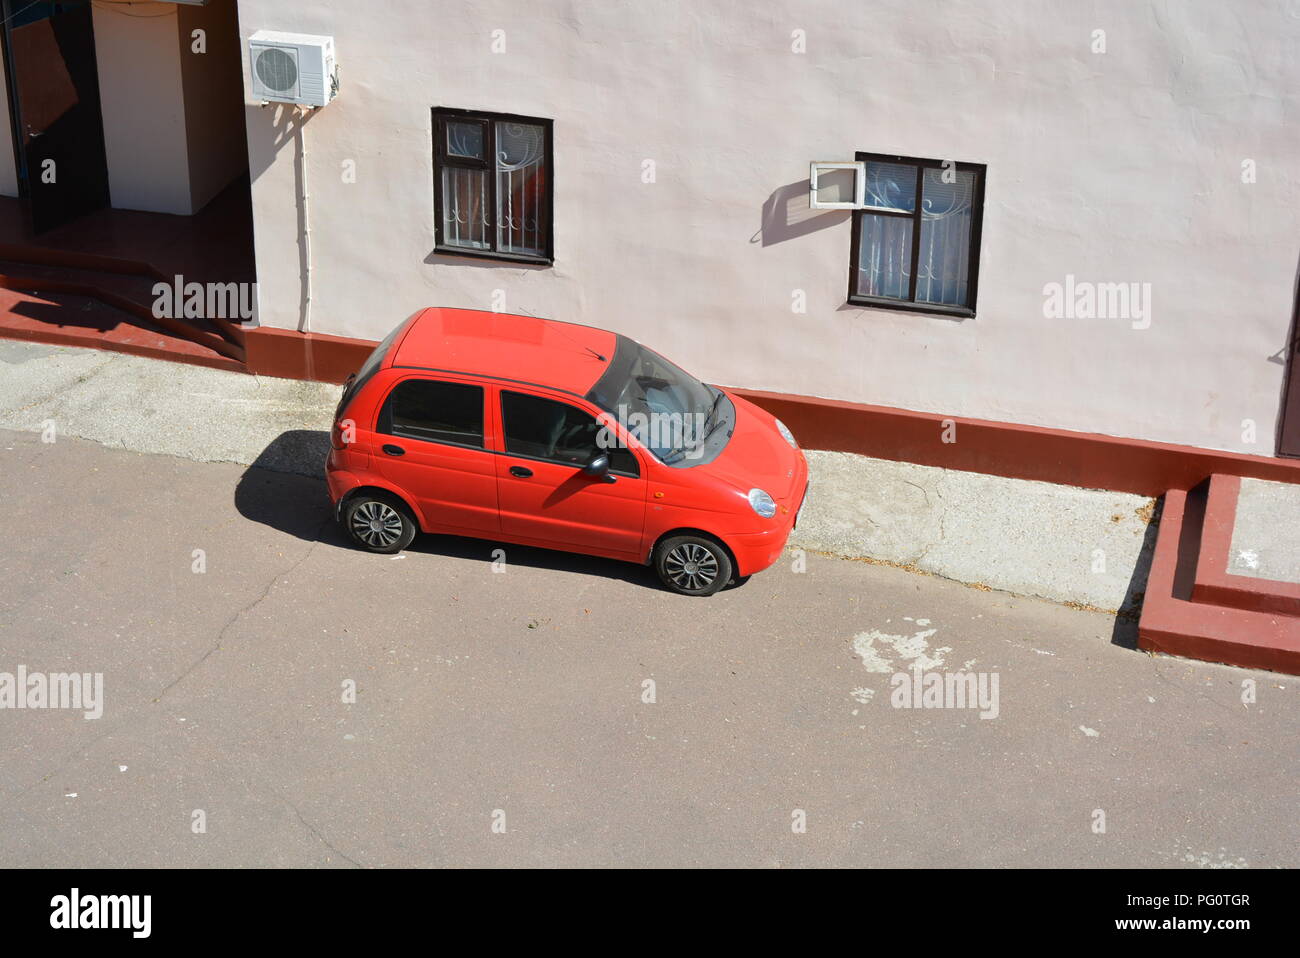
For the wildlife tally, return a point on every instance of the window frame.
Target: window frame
(384, 418)
(595, 416)
(973, 263)
(442, 159)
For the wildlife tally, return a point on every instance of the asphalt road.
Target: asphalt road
(517, 699)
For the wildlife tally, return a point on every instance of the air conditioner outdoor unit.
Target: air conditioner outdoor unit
(293, 68)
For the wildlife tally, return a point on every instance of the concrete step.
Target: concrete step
(69, 319)
(1176, 621)
(123, 284)
(1243, 554)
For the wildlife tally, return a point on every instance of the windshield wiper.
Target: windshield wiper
(710, 429)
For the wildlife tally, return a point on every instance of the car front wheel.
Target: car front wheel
(693, 565)
(379, 523)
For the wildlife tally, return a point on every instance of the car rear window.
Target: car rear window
(435, 412)
(368, 369)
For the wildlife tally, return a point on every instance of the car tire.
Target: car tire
(379, 522)
(693, 565)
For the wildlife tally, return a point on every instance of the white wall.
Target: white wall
(1115, 167)
(213, 94)
(138, 55)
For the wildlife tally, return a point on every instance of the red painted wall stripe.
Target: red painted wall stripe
(1090, 460)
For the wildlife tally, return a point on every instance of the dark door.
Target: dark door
(54, 97)
(1288, 439)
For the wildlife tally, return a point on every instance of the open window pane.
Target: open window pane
(884, 256)
(891, 186)
(465, 208)
(836, 186)
(947, 215)
(521, 187)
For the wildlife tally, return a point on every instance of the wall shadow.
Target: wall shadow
(786, 215)
(1124, 632)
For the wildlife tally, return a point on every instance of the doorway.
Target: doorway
(49, 54)
(1288, 433)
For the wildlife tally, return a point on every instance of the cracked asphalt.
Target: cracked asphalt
(518, 698)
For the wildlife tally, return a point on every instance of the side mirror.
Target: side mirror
(598, 468)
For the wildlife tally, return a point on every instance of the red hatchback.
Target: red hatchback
(551, 434)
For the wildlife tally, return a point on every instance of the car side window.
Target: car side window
(435, 412)
(547, 429)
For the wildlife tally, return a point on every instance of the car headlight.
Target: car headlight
(786, 434)
(763, 504)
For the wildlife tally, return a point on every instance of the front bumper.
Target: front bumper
(757, 551)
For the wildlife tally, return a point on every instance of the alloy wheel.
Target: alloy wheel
(691, 566)
(377, 524)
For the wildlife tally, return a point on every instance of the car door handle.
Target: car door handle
(523, 472)
(392, 450)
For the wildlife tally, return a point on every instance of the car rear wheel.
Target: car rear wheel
(693, 565)
(379, 523)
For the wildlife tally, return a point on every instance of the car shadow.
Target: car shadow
(285, 489)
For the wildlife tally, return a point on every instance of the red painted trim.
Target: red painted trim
(1176, 626)
(289, 354)
(1213, 582)
(1090, 460)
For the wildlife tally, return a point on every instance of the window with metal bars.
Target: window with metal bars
(492, 185)
(916, 245)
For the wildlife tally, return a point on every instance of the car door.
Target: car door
(543, 493)
(432, 445)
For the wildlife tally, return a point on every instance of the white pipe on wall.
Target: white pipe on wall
(304, 321)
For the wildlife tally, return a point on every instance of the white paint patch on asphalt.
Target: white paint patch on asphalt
(877, 648)
(1210, 859)
(1090, 732)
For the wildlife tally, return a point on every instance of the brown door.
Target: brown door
(54, 98)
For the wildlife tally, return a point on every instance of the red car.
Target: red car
(551, 434)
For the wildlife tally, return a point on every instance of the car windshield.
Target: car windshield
(678, 418)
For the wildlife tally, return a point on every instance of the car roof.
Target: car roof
(526, 349)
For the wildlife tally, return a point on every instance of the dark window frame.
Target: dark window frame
(910, 304)
(442, 159)
(505, 435)
(384, 421)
